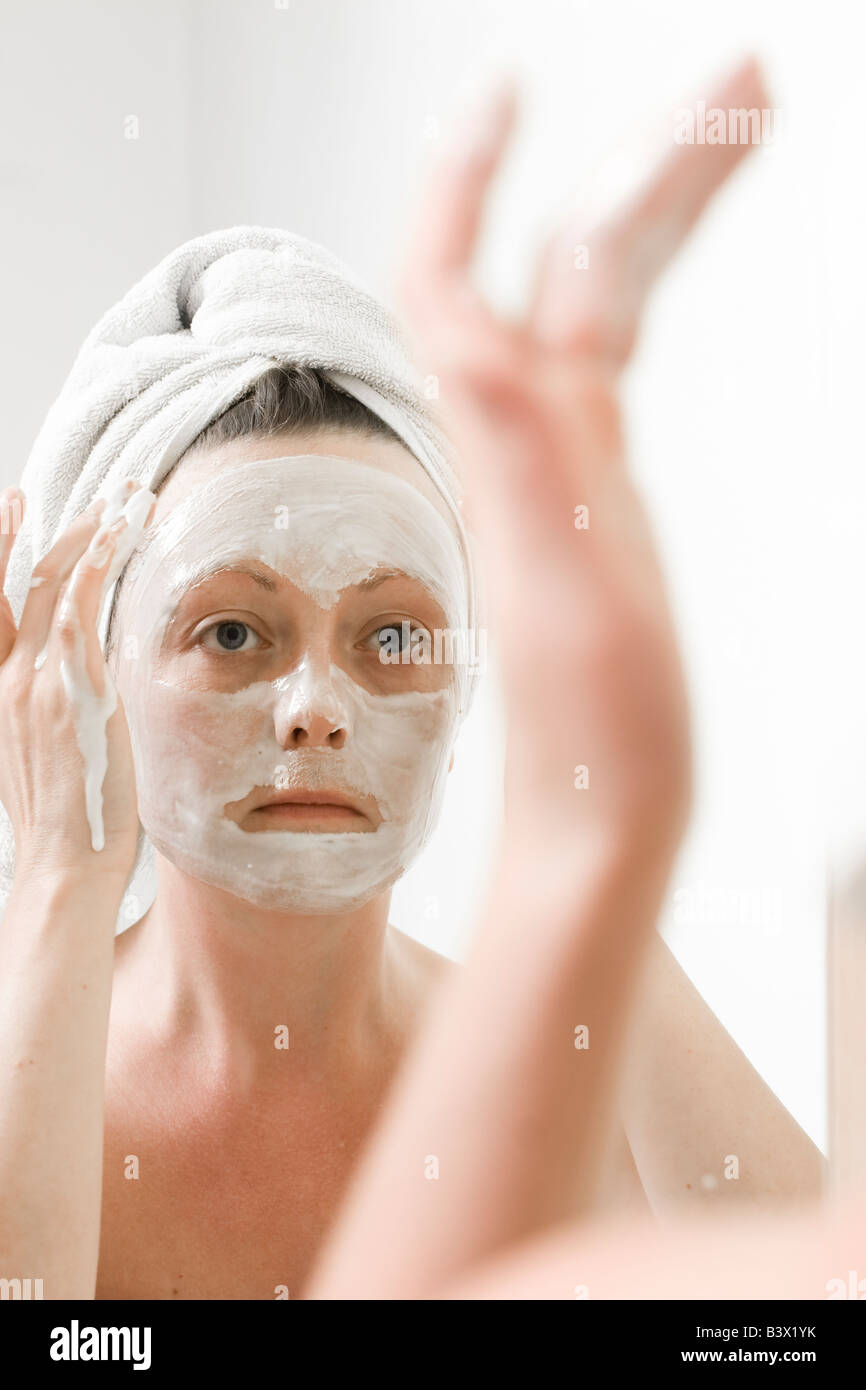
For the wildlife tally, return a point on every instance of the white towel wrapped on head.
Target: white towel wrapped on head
(179, 349)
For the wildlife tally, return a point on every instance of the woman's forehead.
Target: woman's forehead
(388, 456)
(326, 522)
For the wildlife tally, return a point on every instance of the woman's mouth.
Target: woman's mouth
(321, 811)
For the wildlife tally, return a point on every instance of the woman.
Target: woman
(260, 1008)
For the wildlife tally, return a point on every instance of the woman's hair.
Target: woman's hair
(290, 400)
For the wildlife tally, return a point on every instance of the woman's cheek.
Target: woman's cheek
(402, 742)
(193, 752)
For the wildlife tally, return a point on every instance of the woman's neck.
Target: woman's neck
(242, 985)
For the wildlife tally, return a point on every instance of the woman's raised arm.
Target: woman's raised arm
(501, 1122)
(57, 932)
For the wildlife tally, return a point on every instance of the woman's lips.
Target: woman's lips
(311, 815)
(322, 810)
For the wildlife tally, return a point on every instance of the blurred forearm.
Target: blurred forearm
(500, 1124)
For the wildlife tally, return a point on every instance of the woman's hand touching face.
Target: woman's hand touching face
(597, 710)
(52, 673)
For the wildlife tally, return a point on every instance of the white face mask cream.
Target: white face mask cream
(325, 524)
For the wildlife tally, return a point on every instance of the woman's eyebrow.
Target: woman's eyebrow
(377, 579)
(264, 580)
(188, 591)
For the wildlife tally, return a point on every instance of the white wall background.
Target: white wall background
(318, 115)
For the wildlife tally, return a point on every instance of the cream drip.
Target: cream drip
(91, 711)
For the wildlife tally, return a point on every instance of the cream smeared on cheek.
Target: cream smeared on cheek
(325, 524)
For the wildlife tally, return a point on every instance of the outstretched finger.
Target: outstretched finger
(434, 283)
(592, 301)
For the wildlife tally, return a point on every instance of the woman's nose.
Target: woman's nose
(308, 712)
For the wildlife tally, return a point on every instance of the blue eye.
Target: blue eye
(391, 635)
(230, 636)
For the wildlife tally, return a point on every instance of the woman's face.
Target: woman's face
(276, 655)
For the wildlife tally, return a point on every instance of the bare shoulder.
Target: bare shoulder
(424, 967)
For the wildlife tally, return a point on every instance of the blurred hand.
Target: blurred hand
(597, 710)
